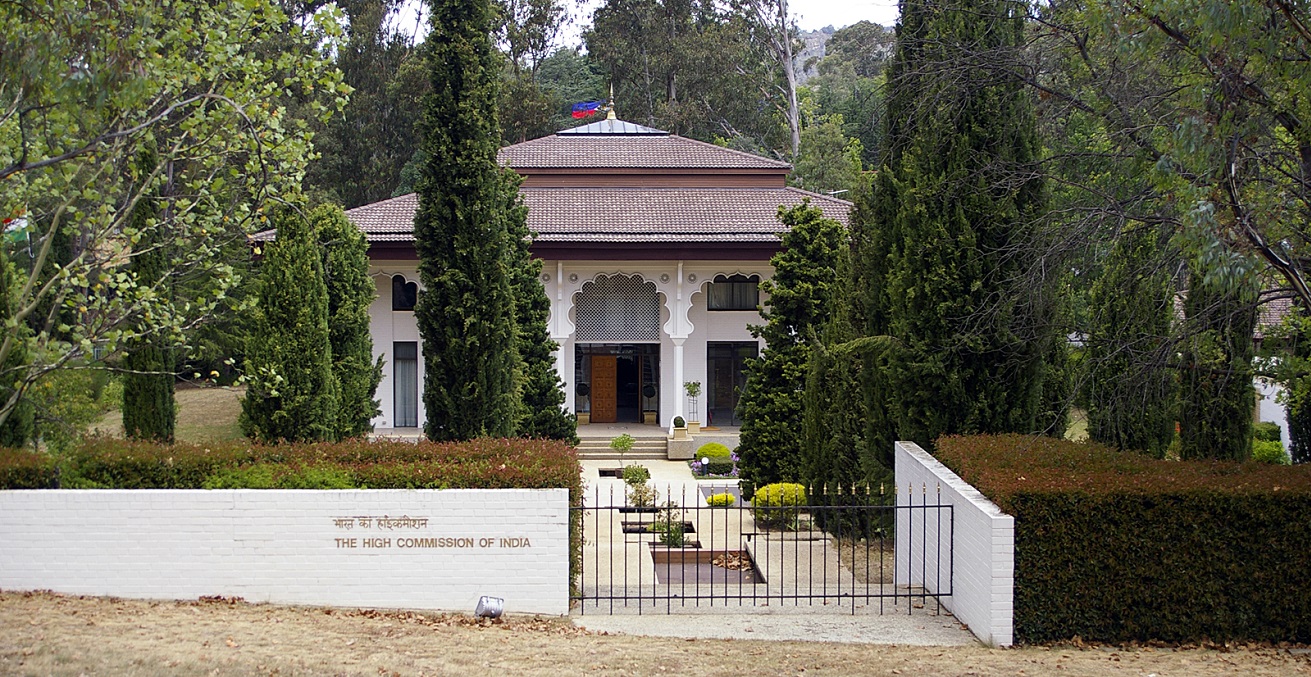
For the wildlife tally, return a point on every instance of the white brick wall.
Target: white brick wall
(983, 540)
(285, 547)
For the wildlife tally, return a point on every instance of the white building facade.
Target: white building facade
(653, 249)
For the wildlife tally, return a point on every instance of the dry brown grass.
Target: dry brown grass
(868, 562)
(45, 634)
(205, 414)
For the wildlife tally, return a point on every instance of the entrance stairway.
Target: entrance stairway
(644, 449)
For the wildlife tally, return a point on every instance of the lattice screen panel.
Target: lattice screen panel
(618, 308)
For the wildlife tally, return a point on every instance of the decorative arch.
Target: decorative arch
(404, 294)
(617, 308)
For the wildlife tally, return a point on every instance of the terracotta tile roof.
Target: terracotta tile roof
(579, 151)
(627, 214)
(1271, 314)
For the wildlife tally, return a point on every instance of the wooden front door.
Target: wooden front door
(605, 389)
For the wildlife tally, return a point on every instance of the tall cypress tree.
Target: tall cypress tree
(542, 391)
(292, 393)
(18, 428)
(956, 199)
(1216, 396)
(149, 412)
(350, 291)
(1131, 391)
(800, 306)
(465, 312)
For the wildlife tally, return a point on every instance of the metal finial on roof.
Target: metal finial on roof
(611, 104)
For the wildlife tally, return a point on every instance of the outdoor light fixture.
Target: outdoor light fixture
(489, 607)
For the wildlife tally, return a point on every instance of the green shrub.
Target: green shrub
(669, 524)
(679, 422)
(26, 470)
(642, 495)
(772, 504)
(636, 474)
(720, 500)
(713, 450)
(719, 466)
(1264, 451)
(1118, 547)
(1267, 431)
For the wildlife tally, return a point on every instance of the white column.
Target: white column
(564, 354)
(678, 377)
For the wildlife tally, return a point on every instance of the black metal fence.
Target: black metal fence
(690, 546)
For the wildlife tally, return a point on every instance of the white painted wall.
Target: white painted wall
(292, 547)
(982, 538)
(387, 326)
(1269, 408)
(563, 279)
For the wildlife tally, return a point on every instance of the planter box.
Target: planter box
(648, 418)
(694, 427)
(585, 418)
(680, 434)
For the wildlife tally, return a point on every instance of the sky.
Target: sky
(810, 15)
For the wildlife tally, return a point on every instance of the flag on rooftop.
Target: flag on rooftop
(586, 109)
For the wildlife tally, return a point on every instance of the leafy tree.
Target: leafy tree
(350, 292)
(570, 76)
(865, 45)
(542, 391)
(149, 412)
(691, 68)
(292, 394)
(829, 161)
(1131, 390)
(79, 103)
(362, 150)
(465, 311)
(801, 292)
(1216, 398)
(969, 355)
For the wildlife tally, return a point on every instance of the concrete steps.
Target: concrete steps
(644, 448)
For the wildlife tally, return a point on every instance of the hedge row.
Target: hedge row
(124, 464)
(1117, 547)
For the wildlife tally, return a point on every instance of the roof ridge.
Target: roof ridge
(734, 150)
(819, 195)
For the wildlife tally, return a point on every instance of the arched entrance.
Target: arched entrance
(617, 349)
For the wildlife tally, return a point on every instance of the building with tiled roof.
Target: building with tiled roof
(653, 249)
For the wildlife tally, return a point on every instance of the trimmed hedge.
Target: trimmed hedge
(713, 450)
(26, 470)
(1116, 547)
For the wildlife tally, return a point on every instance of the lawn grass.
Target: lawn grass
(1078, 430)
(205, 414)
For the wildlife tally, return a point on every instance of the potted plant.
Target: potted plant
(649, 408)
(693, 389)
(584, 403)
(680, 428)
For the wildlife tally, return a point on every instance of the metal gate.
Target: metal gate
(855, 548)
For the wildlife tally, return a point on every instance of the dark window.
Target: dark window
(734, 292)
(403, 294)
(405, 382)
